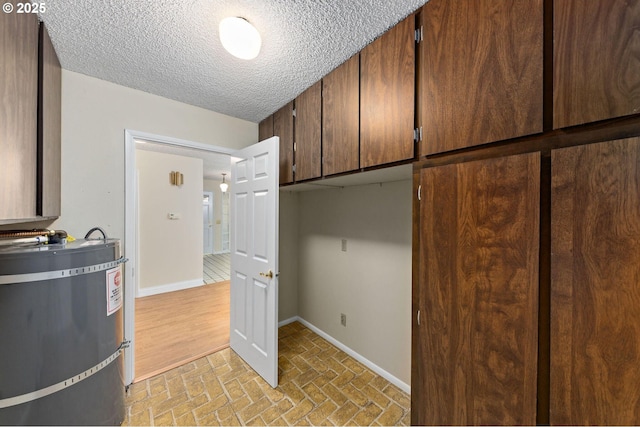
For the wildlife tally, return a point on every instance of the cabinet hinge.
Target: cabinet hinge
(294, 169)
(294, 112)
(295, 147)
(418, 317)
(419, 192)
(417, 134)
(419, 34)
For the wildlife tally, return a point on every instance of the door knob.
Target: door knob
(268, 274)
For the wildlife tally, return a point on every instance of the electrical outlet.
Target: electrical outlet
(343, 319)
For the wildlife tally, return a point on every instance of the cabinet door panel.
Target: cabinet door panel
(595, 288)
(308, 133)
(478, 291)
(480, 72)
(265, 128)
(596, 66)
(49, 128)
(340, 123)
(18, 115)
(387, 87)
(283, 128)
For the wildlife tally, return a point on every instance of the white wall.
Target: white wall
(288, 255)
(95, 114)
(170, 250)
(371, 281)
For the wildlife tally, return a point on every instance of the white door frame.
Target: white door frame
(209, 229)
(130, 243)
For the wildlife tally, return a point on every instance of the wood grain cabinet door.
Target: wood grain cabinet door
(480, 78)
(387, 88)
(265, 128)
(283, 128)
(596, 67)
(476, 343)
(18, 115)
(340, 124)
(307, 139)
(595, 284)
(49, 128)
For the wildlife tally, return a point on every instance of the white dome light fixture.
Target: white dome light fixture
(240, 38)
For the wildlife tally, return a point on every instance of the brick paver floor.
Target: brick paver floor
(319, 385)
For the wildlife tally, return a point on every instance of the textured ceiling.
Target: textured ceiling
(171, 48)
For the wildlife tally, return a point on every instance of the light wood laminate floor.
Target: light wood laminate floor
(175, 328)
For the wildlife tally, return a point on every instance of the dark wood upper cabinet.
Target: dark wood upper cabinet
(387, 88)
(283, 128)
(265, 128)
(480, 72)
(18, 115)
(308, 126)
(596, 67)
(340, 118)
(475, 345)
(595, 291)
(49, 128)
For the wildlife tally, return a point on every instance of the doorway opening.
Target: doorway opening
(208, 206)
(215, 218)
(214, 161)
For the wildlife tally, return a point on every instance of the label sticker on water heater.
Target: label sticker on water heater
(114, 290)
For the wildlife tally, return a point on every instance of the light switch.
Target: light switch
(173, 215)
(344, 245)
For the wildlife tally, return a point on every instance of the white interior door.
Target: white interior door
(254, 257)
(207, 222)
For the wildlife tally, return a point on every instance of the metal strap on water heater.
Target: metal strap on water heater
(59, 274)
(28, 397)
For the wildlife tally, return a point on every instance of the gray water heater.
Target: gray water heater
(61, 334)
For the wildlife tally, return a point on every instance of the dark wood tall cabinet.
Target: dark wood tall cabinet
(526, 273)
(340, 118)
(476, 293)
(595, 288)
(49, 128)
(480, 72)
(283, 128)
(596, 68)
(308, 133)
(18, 113)
(265, 128)
(387, 87)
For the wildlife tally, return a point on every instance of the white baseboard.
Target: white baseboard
(369, 364)
(171, 287)
(287, 321)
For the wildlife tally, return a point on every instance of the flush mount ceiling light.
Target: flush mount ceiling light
(240, 38)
